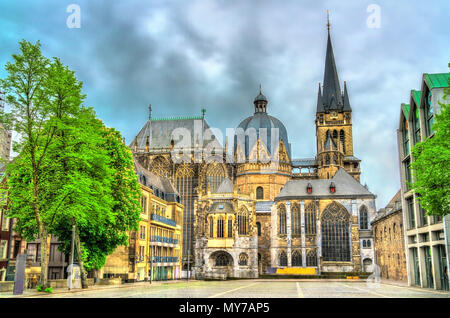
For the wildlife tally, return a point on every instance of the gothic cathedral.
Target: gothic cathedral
(245, 213)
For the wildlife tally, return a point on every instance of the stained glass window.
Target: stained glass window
(296, 219)
(363, 218)
(296, 258)
(282, 259)
(310, 219)
(220, 227)
(185, 187)
(311, 258)
(243, 221)
(215, 174)
(230, 227)
(335, 233)
(282, 219)
(259, 193)
(342, 137)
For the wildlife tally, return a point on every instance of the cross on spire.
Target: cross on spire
(328, 21)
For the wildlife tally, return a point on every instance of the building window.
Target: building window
(221, 260)
(364, 243)
(407, 166)
(243, 259)
(230, 227)
(259, 193)
(243, 222)
(363, 218)
(282, 259)
(327, 159)
(423, 216)
(429, 114)
(335, 233)
(3, 244)
(185, 187)
(296, 258)
(411, 216)
(211, 227)
(215, 174)
(310, 219)
(311, 258)
(258, 227)
(220, 227)
(282, 219)
(405, 136)
(296, 222)
(144, 204)
(142, 232)
(416, 124)
(342, 137)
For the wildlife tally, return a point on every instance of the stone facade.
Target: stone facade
(389, 241)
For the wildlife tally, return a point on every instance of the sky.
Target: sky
(182, 56)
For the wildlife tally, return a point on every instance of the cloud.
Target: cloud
(181, 56)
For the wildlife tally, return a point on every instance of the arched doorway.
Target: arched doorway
(367, 265)
(221, 263)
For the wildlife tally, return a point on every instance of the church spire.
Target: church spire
(332, 96)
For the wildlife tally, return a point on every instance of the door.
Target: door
(443, 267)
(428, 267)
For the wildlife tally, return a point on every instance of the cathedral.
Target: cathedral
(252, 208)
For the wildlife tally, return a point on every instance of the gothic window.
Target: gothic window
(282, 219)
(296, 258)
(311, 258)
(296, 222)
(327, 159)
(160, 167)
(221, 260)
(259, 193)
(230, 227)
(310, 219)
(363, 218)
(429, 114)
(258, 226)
(282, 259)
(335, 134)
(368, 243)
(220, 227)
(243, 221)
(334, 160)
(185, 187)
(342, 137)
(335, 233)
(364, 243)
(243, 259)
(214, 176)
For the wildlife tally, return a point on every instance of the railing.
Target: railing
(162, 239)
(165, 259)
(162, 219)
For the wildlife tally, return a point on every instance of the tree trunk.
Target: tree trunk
(44, 257)
(80, 260)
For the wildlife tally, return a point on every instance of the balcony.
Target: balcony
(162, 219)
(162, 239)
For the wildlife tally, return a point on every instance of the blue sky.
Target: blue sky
(181, 56)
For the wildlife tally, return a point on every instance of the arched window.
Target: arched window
(222, 260)
(335, 233)
(243, 259)
(296, 258)
(364, 243)
(258, 227)
(259, 193)
(214, 176)
(342, 137)
(243, 221)
(282, 259)
(230, 227)
(363, 218)
(296, 222)
(311, 258)
(327, 159)
(310, 219)
(334, 159)
(368, 243)
(335, 134)
(220, 227)
(282, 219)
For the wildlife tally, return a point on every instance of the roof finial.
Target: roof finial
(328, 21)
(260, 88)
(203, 112)
(149, 111)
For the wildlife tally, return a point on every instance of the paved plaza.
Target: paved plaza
(257, 288)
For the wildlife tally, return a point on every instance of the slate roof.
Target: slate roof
(346, 186)
(160, 132)
(155, 182)
(392, 207)
(263, 206)
(221, 207)
(304, 162)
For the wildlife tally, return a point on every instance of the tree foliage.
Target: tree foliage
(431, 165)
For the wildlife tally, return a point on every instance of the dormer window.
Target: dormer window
(309, 188)
(332, 187)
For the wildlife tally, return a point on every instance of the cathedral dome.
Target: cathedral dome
(261, 120)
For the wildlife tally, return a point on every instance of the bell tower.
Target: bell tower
(334, 136)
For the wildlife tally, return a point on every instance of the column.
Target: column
(288, 234)
(302, 218)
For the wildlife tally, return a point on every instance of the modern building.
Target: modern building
(389, 240)
(426, 237)
(155, 249)
(311, 214)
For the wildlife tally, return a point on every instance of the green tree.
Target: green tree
(431, 165)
